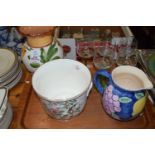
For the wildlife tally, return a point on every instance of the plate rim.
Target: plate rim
(15, 61)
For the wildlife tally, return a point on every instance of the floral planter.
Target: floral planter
(66, 109)
(63, 86)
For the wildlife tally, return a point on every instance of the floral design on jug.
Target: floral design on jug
(139, 104)
(111, 101)
(33, 58)
(120, 105)
(42, 55)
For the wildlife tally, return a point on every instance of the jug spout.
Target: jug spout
(147, 84)
(131, 78)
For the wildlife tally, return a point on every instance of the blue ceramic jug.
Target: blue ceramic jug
(124, 96)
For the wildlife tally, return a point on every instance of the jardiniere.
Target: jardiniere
(63, 86)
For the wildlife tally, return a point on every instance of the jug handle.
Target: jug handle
(96, 80)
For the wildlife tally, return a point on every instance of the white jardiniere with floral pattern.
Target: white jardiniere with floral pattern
(65, 109)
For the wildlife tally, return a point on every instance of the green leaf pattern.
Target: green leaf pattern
(49, 55)
(28, 48)
(125, 99)
(46, 56)
(139, 95)
(43, 55)
(35, 65)
(56, 57)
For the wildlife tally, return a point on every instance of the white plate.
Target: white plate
(3, 92)
(7, 61)
(10, 73)
(5, 122)
(3, 101)
(12, 78)
(15, 81)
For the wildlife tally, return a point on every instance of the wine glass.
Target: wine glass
(103, 58)
(132, 53)
(85, 52)
(127, 53)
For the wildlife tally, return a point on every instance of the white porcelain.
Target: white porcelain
(63, 86)
(33, 58)
(5, 109)
(15, 81)
(7, 118)
(3, 101)
(10, 69)
(8, 60)
(10, 73)
(128, 84)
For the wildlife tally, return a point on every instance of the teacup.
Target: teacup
(63, 86)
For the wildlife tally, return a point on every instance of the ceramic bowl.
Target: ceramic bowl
(63, 86)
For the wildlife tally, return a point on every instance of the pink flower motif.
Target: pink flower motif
(109, 95)
(111, 102)
(105, 97)
(34, 58)
(116, 103)
(54, 110)
(117, 109)
(115, 97)
(106, 91)
(107, 109)
(111, 108)
(110, 88)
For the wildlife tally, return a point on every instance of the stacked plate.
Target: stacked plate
(5, 109)
(10, 70)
